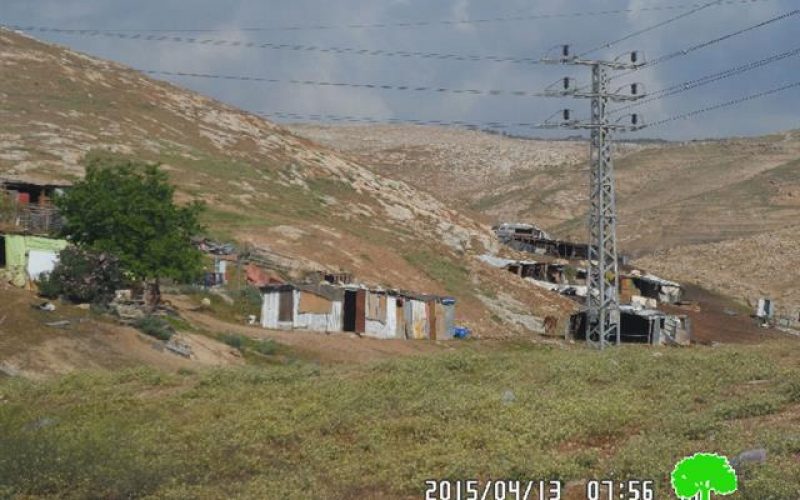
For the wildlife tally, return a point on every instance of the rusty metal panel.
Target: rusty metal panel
(361, 311)
(286, 306)
(314, 304)
(400, 312)
(432, 319)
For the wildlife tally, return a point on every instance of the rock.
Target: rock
(206, 302)
(46, 307)
(59, 324)
(755, 456)
(509, 397)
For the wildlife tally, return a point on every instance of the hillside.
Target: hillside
(263, 185)
(669, 194)
(496, 177)
(750, 268)
(739, 192)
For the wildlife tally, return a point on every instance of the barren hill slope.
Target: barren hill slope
(765, 265)
(263, 185)
(669, 194)
(741, 193)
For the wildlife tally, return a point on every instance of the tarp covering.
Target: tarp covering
(20, 248)
(41, 262)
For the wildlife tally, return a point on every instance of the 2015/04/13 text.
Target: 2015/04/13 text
(473, 489)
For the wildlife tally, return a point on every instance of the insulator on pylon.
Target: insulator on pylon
(565, 114)
(634, 57)
(634, 119)
(566, 83)
(565, 51)
(634, 89)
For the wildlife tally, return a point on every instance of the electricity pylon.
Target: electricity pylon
(602, 299)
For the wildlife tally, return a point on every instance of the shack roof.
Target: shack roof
(501, 262)
(336, 292)
(651, 278)
(32, 180)
(637, 311)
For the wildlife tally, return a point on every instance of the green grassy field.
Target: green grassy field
(379, 430)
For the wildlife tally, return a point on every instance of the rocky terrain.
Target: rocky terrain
(749, 268)
(711, 212)
(497, 177)
(263, 185)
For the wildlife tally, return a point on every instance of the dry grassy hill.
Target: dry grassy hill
(740, 193)
(263, 185)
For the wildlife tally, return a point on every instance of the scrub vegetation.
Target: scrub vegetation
(381, 429)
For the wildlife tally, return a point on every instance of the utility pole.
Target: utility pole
(602, 298)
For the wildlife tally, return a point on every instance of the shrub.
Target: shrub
(155, 327)
(792, 390)
(83, 276)
(265, 347)
(235, 341)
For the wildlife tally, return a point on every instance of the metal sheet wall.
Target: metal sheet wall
(387, 328)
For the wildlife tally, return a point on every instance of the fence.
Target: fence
(34, 219)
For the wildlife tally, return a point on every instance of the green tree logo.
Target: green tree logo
(701, 474)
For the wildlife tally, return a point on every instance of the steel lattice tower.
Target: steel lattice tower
(602, 299)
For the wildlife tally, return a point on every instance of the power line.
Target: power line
(428, 23)
(733, 102)
(705, 80)
(375, 121)
(642, 31)
(699, 46)
(375, 86)
(214, 42)
(507, 125)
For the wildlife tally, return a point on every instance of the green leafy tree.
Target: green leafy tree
(126, 208)
(704, 473)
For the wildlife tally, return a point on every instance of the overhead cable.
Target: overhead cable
(708, 43)
(431, 23)
(215, 42)
(506, 125)
(733, 102)
(705, 80)
(375, 86)
(653, 27)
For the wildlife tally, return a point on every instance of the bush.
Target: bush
(83, 276)
(265, 347)
(155, 327)
(235, 341)
(240, 342)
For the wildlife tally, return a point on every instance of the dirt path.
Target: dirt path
(718, 319)
(326, 348)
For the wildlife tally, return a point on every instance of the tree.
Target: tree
(704, 473)
(126, 208)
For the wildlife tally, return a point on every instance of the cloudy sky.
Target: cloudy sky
(515, 36)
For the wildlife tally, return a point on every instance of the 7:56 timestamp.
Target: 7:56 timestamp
(619, 490)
